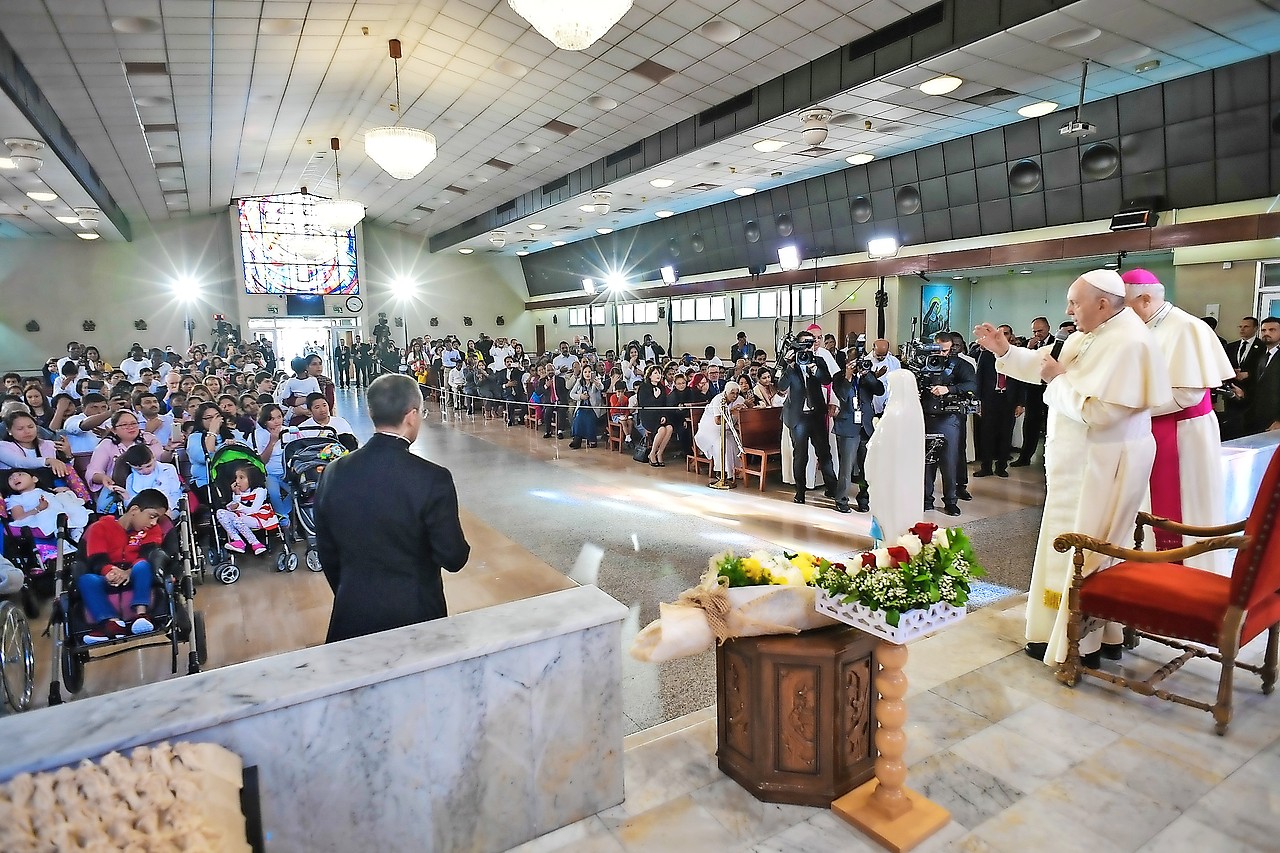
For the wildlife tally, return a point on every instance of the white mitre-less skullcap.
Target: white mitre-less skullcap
(1108, 281)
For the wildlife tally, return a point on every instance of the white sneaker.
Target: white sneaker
(142, 625)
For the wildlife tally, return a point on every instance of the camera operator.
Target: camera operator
(806, 368)
(947, 380)
(856, 390)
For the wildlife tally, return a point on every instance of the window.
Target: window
(766, 304)
(630, 313)
(284, 253)
(697, 308)
(578, 316)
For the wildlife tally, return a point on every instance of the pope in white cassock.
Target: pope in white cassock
(1098, 450)
(1186, 479)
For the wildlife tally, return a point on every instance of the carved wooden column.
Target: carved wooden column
(796, 714)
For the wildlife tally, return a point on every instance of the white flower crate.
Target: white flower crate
(911, 624)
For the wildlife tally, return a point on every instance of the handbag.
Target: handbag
(642, 452)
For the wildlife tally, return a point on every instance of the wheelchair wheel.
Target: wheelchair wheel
(313, 561)
(227, 573)
(18, 664)
(72, 668)
(198, 639)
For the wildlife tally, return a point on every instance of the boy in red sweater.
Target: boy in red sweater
(116, 547)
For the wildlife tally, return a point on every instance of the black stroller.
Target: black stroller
(305, 459)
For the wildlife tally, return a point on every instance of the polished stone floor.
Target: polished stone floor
(1022, 763)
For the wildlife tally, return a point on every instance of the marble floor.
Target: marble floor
(1021, 762)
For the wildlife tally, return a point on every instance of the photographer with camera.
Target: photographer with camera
(804, 372)
(855, 390)
(947, 383)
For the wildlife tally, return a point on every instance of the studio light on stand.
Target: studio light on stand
(880, 248)
(669, 275)
(788, 258)
(187, 291)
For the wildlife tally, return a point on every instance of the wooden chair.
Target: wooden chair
(761, 431)
(694, 461)
(615, 436)
(1165, 601)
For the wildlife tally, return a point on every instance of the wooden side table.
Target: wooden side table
(796, 714)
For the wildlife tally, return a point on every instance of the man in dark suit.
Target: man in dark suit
(387, 522)
(1036, 412)
(1244, 355)
(1263, 412)
(855, 390)
(1001, 400)
(342, 363)
(362, 358)
(806, 369)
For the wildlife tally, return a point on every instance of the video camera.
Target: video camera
(793, 347)
(927, 362)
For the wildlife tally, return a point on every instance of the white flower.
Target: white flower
(911, 542)
(854, 568)
(940, 538)
(791, 575)
(883, 560)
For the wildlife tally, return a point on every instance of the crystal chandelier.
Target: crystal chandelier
(338, 215)
(571, 24)
(402, 152)
(305, 242)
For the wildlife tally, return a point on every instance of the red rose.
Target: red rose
(924, 531)
(868, 560)
(900, 555)
(839, 567)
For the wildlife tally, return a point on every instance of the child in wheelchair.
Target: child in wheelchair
(115, 548)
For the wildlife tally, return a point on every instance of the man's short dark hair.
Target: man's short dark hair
(138, 397)
(17, 376)
(1044, 320)
(1253, 320)
(1271, 321)
(943, 336)
(69, 368)
(1211, 322)
(91, 398)
(391, 397)
(313, 396)
(742, 336)
(150, 499)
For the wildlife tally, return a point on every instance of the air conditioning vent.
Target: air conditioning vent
(625, 154)
(726, 108)
(137, 69)
(919, 22)
(556, 185)
(816, 151)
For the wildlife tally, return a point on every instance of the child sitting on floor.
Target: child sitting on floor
(248, 511)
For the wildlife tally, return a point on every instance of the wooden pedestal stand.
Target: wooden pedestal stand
(884, 808)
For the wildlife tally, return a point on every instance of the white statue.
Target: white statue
(895, 460)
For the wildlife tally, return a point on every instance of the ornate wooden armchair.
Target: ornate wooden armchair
(1151, 593)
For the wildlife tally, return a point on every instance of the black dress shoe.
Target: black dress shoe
(963, 494)
(1036, 650)
(1093, 660)
(863, 507)
(1003, 472)
(1113, 651)
(798, 499)
(929, 507)
(1019, 463)
(843, 508)
(983, 472)
(575, 444)
(829, 492)
(951, 509)
(546, 435)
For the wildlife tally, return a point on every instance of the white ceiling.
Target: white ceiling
(261, 86)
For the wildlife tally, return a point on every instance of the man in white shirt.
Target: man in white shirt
(450, 357)
(321, 416)
(564, 362)
(85, 430)
(147, 405)
(883, 361)
(132, 366)
(498, 354)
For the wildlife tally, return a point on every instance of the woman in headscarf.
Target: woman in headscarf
(717, 439)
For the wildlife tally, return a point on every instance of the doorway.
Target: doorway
(540, 339)
(293, 336)
(852, 324)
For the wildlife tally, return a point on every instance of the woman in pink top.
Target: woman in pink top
(125, 432)
(23, 448)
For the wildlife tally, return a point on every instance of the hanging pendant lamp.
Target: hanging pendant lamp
(306, 242)
(571, 24)
(338, 215)
(402, 152)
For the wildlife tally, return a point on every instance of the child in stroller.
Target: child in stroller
(226, 465)
(305, 458)
(248, 510)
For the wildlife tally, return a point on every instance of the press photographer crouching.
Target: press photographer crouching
(802, 375)
(948, 384)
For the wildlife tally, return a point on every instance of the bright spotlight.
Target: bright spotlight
(402, 288)
(669, 275)
(616, 282)
(789, 257)
(882, 247)
(588, 285)
(186, 288)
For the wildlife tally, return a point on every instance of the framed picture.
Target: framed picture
(935, 309)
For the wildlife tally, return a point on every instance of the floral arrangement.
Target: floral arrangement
(763, 569)
(928, 565)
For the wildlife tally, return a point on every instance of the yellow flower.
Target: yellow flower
(752, 568)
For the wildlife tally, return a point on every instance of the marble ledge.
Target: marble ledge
(51, 737)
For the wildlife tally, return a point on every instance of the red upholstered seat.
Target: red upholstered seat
(1168, 599)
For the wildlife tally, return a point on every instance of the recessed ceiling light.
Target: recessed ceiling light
(661, 183)
(587, 208)
(527, 147)
(522, 253)
(536, 226)
(557, 242)
(6, 163)
(510, 68)
(767, 145)
(1024, 272)
(663, 214)
(86, 235)
(42, 196)
(135, 26)
(280, 26)
(600, 102)
(744, 191)
(1074, 37)
(68, 220)
(1043, 108)
(604, 230)
(859, 159)
(940, 85)
(152, 101)
(720, 31)
(453, 123)
(465, 251)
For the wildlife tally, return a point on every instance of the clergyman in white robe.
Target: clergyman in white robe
(1186, 479)
(1098, 449)
(895, 459)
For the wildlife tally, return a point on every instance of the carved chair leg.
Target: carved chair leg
(1131, 638)
(1069, 669)
(1222, 710)
(1269, 663)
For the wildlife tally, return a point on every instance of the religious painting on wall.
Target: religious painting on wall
(935, 309)
(284, 252)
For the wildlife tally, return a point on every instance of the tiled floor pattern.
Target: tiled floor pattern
(1022, 763)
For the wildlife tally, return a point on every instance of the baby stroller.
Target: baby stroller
(172, 612)
(222, 467)
(33, 555)
(305, 459)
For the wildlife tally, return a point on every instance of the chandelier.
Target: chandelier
(402, 152)
(571, 24)
(338, 215)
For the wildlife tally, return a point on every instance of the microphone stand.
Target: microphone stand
(725, 428)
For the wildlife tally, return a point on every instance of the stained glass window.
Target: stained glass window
(285, 253)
